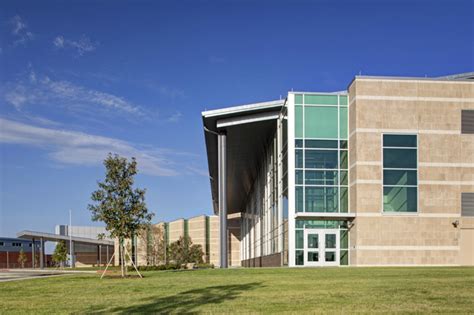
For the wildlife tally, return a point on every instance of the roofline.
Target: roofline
(449, 78)
(242, 108)
(25, 234)
(344, 92)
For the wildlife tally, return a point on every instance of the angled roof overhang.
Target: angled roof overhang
(29, 235)
(249, 129)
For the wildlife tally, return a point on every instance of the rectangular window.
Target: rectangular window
(2, 244)
(467, 121)
(321, 153)
(16, 244)
(400, 168)
(467, 204)
(320, 122)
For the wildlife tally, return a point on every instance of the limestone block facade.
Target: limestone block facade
(431, 110)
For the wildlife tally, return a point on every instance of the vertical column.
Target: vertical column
(73, 257)
(99, 257)
(107, 248)
(33, 253)
(221, 144)
(42, 253)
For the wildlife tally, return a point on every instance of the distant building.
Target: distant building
(87, 254)
(87, 248)
(10, 251)
(202, 230)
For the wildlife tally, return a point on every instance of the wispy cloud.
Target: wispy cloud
(20, 31)
(42, 90)
(82, 46)
(175, 117)
(78, 148)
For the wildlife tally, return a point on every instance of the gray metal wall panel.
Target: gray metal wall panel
(467, 121)
(467, 204)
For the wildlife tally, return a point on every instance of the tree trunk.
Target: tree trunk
(122, 258)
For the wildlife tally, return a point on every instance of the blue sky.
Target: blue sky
(79, 79)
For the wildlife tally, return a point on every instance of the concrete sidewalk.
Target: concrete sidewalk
(24, 274)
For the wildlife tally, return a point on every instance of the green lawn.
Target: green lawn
(442, 290)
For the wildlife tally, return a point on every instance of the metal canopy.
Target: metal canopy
(249, 129)
(55, 238)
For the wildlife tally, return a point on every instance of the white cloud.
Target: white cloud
(20, 31)
(42, 90)
(82, 46)
(59, 42)
(77, 148)
(175, 117)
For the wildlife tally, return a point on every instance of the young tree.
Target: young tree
(60, 253)
(116, 203)
(22, 259)
(154, 238)
(183, 251)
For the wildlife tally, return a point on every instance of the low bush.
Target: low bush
(154, 268)
(203, 266)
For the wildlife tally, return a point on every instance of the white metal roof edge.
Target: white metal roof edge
(242, 108)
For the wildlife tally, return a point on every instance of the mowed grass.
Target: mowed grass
(265, 290)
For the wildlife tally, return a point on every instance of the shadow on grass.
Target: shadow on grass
(186, 302)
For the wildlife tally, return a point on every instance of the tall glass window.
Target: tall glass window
(400, 169)
(321, 153)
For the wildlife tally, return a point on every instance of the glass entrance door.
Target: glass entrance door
(321, 247)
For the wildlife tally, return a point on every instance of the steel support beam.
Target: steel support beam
(222, 160)
(99, 248)
(33, 253)
(41, 253)
(73, 257)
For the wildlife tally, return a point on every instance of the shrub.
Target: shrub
(203, 266)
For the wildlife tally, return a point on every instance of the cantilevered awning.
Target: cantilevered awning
(249, 129)
(55, 238)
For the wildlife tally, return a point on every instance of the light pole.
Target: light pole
(70, 237)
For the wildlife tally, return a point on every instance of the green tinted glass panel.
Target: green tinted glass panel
(344, 258)
(315, 224)
(321, 199)
(321, 177)
(399, 177)
(320, 158)
(399, 141)
(299, 158)
(344, 161)
(320, 99)
(321, 144)
(312, 241)
(313, 256)
(299, 177)
(344, 239)
(299, 239)
(343, 122)
(298, 143)
(330, 241)
(298, 121)
(344, 177)
(342, 99)
(298, 99)
(299, 199)
(299, 224)
(320, 122)
(400, 199)
(399, 158)
(299, 257)
(344, 202)
(343, 144)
